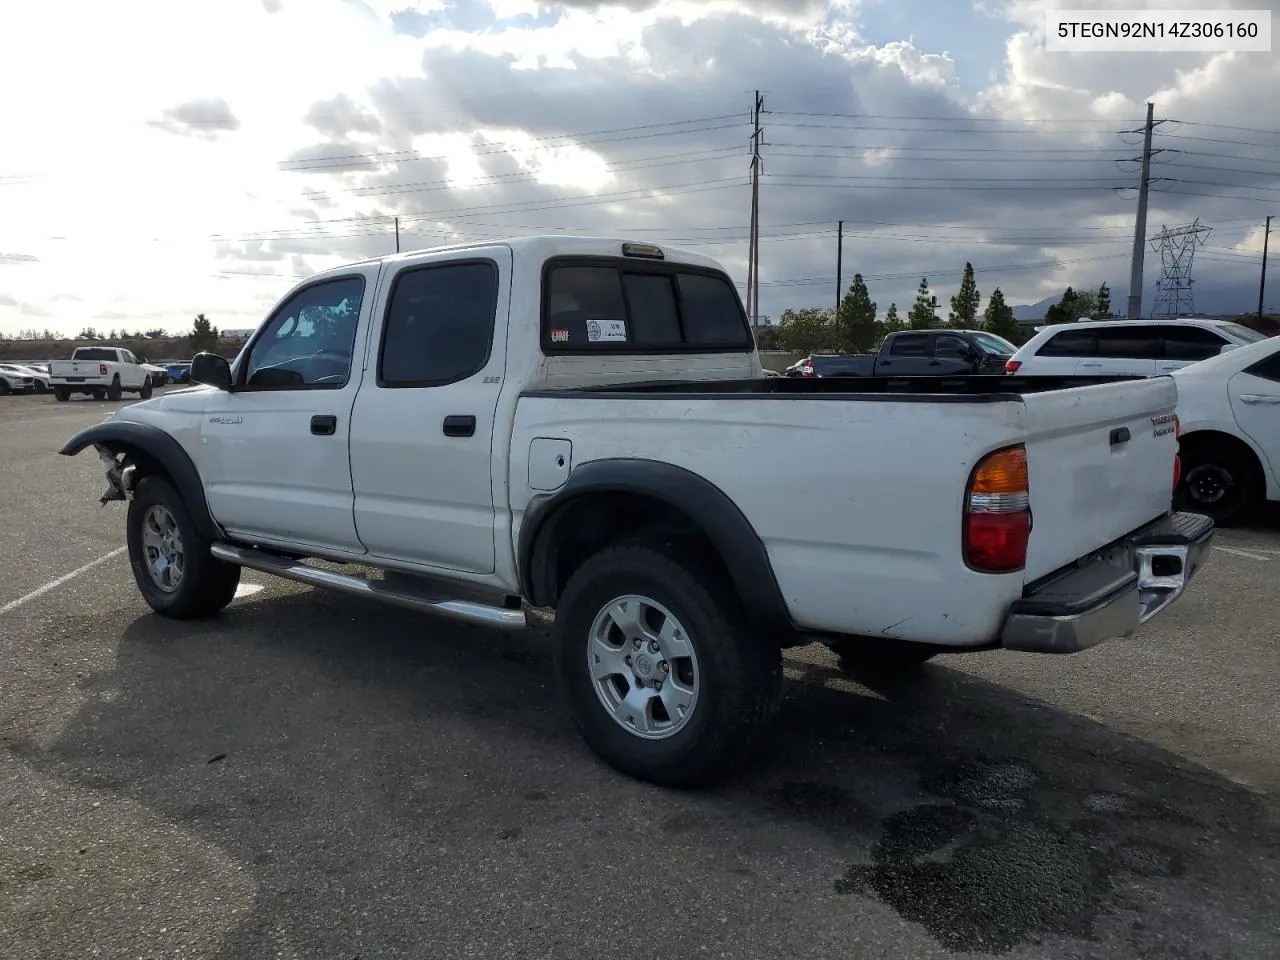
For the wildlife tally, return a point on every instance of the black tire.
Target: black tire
(1220, 480)
(739, 671)
(40, 387)
(4, 387)
(114, 392)
(206, 585)
(862, 656)
(144, 392)
(99, 394)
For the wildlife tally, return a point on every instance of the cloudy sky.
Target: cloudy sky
(162, 159)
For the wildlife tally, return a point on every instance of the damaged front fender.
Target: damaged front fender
(130, 451)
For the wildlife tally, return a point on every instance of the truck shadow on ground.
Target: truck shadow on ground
(376, 770)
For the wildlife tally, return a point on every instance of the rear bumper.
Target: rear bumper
(1109, 595)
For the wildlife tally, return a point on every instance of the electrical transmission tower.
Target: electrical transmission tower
(1177, 248)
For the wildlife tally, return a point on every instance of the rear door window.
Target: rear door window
(607, 305)
(910, 345)
(1070, 343)
(1129, 342)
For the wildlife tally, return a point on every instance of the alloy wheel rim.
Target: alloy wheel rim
(162, 548)
(643, 667)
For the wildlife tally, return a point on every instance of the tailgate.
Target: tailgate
(1101, 465)
(77, 371)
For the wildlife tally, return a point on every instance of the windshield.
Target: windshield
(1238, 331)
(993, 344)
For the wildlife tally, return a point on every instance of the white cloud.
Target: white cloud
(145, 163)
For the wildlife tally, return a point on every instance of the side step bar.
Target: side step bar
(400, 596)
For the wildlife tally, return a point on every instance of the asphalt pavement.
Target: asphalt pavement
(314, 776)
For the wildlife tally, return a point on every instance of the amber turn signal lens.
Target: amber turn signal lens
(1004, 471)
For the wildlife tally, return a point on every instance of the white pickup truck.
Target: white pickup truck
(583, 424)
(107, 373)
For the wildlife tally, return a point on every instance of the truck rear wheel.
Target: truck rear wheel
(172, 565)
(61, 394)
(664, 678)
(114, 392)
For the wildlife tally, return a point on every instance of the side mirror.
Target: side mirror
(211, 369)
(1228, 347)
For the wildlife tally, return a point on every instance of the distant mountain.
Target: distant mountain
(1026, 312)
(1223, 298)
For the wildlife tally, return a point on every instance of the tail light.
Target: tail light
(102, 369)
(1011, 366)
(997, 512)
(806, 370)
(1177, 452)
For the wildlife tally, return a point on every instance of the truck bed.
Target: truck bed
(859, 504)
(981, 388)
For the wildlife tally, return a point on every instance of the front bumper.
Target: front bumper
(1109, 595)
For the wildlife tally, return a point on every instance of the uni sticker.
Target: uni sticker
(560, 335)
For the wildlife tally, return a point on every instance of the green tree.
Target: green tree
(921, 316)
(1072, 307)
(203, 335)
(767, 337)
(998, 319)
(811, 330)
(892, 322)
(964, 305)
(857, 327)
(1102, 305)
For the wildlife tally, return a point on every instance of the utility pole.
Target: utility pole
(1262, 283)
(1134, 310)
(397, 234)
(753, 256)
(839, 263)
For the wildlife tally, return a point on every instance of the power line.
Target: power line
(545, 142)
(965, 119)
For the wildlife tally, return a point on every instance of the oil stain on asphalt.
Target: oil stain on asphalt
(987, 872)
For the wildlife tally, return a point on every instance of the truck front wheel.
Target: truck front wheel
(172, 565)
(664, 677)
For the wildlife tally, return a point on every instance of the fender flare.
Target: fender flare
(163, 450)
(727, 528)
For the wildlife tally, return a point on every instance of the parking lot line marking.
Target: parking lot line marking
(1243, 553)
(54, 584)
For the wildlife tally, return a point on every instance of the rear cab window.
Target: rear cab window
(94, 353)
(607, 304)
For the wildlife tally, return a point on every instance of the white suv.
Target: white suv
(1143, 348)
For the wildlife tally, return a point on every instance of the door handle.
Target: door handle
(1090, 365)
(1258, 398)
(460, 425)
(1119, 435)
(324, 424)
